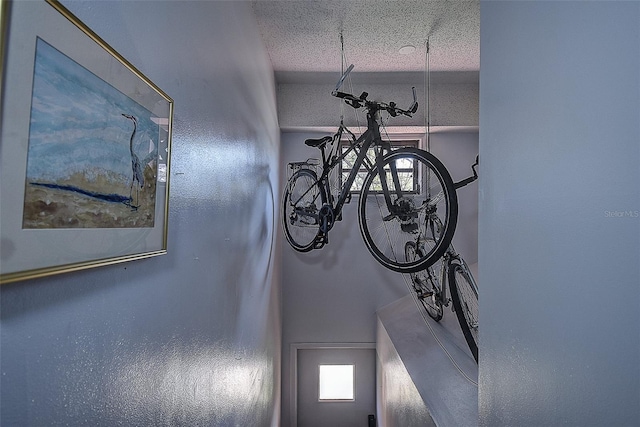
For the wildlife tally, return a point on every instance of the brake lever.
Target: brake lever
(393, 111)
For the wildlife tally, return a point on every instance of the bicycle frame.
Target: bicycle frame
(371, 137)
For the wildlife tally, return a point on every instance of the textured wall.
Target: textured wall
(192, 337)
(559, 231)
(452, 104)
(332, 295)
(399, 401)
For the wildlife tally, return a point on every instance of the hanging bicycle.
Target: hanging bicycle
(431, 287)
(401, 190)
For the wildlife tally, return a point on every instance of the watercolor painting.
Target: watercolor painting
(92, 157)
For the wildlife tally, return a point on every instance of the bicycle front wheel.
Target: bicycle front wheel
(426, 285)
(401, 207)
(301, 203)
(464, 294)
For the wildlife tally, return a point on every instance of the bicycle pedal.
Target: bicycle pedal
(423, 295)
(321, 240)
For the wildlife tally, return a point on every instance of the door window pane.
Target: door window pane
(336, 382)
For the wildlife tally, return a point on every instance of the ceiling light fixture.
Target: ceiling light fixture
(406, 50)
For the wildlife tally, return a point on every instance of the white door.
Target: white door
(348, 405)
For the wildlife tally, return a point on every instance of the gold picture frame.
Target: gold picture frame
(84, 151)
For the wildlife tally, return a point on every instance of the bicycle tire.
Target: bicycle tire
(425, 285)
(429, 191)
(464, 294)
(301, 203)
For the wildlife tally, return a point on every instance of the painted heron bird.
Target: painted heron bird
(136, 166)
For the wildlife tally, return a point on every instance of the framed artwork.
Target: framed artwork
(84, 150)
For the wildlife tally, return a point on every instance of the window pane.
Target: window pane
(349, 160)
(371, 155)
(404, 167)
(336, 382)
(406, 181)
(376, 185)
(404, 163)
(359, 181)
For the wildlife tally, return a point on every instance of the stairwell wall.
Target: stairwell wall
(559, 229)
(191, 337)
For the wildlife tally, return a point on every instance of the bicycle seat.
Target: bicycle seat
(319, 142)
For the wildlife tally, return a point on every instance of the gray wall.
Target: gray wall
(332, 295)
(399, 401)
(559, 233)
(454, 99)
(192, 337)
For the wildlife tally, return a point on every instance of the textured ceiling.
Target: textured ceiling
(303, 36)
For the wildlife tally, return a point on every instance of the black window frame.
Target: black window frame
(344, 172)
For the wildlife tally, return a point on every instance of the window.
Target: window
(406, 171)
(336, 382)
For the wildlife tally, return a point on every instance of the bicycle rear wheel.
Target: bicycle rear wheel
(389, 221)
(425, 284)
(464, 294)
(303, 197)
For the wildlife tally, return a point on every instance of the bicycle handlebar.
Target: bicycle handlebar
(359, 101)
(469, 180)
